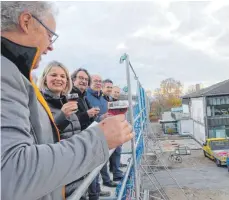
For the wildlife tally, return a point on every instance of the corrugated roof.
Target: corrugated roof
(221, 88)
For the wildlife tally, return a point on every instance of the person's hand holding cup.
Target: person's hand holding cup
(116, 130)
(93, 112)
(71, 106)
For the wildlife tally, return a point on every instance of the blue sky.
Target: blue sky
(188, 41)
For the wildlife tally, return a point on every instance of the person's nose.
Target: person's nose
(50, 47)
(59, 78)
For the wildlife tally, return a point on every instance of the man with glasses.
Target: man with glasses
(95, 97)
(51, 35)
(81, 81)
(86, 114)
(34, 163)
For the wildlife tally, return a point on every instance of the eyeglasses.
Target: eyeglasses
(97, 81)
(54, 35)
(82, 78)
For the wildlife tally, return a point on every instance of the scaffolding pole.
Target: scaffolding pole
(133, 146)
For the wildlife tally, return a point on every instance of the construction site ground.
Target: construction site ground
(198, 176)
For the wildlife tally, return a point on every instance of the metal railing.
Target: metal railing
(77, 194)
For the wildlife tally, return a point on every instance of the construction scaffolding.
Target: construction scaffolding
(145, 154)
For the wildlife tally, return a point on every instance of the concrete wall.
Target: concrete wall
(199, 132)
(186, 127)
(197, 115)
(197, 109)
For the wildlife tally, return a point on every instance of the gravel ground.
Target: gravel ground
(199, 177)
(195, 160)
(192, 194)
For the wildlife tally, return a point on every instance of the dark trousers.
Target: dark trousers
(94, 189)
(105, 174)
(71, 187)
(115, 162)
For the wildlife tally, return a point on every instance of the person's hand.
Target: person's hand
(92, 112)
(69, 108)
(106, 115)
(116, 130)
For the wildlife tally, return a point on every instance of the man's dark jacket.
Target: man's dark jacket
(83, 106)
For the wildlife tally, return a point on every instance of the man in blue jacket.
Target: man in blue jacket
(95, 98)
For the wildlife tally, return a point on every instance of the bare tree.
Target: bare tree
(172, 87)
(167, 96)
(193, 88)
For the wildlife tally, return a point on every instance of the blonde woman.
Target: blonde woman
(55, 84)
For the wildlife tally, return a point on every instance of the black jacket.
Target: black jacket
(68, 127)
(83, 107)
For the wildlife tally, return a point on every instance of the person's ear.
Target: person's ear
(25, 21)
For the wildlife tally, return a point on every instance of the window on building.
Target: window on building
(227, 131)
(170, 127)
(218, 132)
(222, 100)
(218, 106)
(209, 111)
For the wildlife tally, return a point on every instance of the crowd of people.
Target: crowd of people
(47, 143)
(72, 116)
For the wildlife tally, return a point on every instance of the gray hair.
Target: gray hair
(11, 10)
(115, 86)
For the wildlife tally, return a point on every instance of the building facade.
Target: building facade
(209, 111)
(218, 116)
